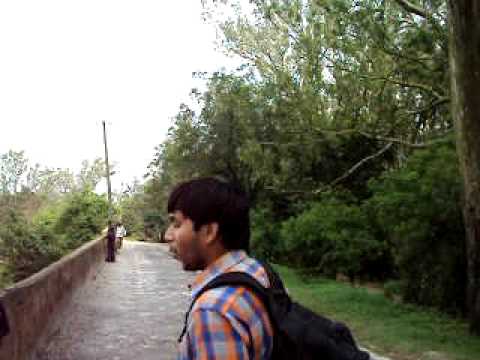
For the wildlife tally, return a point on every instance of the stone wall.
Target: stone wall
(30, 305)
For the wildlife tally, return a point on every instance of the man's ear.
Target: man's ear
(210, 232)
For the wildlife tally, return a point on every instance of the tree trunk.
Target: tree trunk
(465, 93)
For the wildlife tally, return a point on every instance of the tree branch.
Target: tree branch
(408, 84)
(367, 135)
(361, 163)
(344, 176)
(412, 8)
(402, 83)
(433, 105)
(402, 142)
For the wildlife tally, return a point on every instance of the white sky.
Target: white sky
(66, 65)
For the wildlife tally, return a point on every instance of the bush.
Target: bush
(24, 250)
(154, 223)
(83, 217)
(331, 237)
(419, 210)
(131, 214)
(26, 247)
(394, 288)
(265, 237)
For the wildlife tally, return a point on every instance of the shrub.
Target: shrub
(419, 210)
(265, 236)
(83, 217)
(24, 250)
(394, 288)
(154, 223)
(332, 236)
(26, 247)
(131, 214)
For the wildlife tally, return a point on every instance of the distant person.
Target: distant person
(210, 230)
(121, 232)
(111, 244)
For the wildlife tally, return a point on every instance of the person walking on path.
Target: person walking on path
(211, 230)
(110, 244)
(121, 232)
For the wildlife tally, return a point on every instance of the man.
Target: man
(110, 244)
(121, 232)
(211, 231)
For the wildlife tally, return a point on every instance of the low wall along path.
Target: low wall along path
(28, 307)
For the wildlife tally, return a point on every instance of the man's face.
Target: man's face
(186, 242)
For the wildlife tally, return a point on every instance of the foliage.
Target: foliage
(44, 213)
(131, 215)
(91, 174)
(332, 98)
(154, 224)
(56, 229)
(332, 236)
(17, 175)
(419, 209)
(265, 236)
(394, 330)
(83, 217)
(131, 207)
(394, 288)
(50, 181)
(24, 250)
(12, 167)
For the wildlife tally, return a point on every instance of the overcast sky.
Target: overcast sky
(66, 65)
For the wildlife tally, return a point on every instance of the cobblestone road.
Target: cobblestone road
(132, 310)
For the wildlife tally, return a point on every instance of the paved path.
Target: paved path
(133, 310)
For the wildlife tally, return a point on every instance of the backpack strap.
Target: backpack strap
(230, 279)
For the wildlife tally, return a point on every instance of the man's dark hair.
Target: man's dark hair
(208, 200)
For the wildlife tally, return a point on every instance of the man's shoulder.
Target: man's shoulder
(238, 301)
(253, 268)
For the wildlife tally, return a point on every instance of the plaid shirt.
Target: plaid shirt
(229, 322)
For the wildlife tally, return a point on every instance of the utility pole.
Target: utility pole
(109, 185)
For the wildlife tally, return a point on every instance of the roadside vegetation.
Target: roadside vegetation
(45, 214)
(338, 125)
(397, 330)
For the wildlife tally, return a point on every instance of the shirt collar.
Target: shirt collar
(220, 266)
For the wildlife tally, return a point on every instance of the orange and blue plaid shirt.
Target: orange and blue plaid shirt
(231, 322)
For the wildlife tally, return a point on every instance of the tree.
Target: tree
(12, 168)
(332, 75)
(50, 181)
(465, 80)
(33, 178)
(132, 205)
(91, 174)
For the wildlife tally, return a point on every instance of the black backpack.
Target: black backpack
(299, 333)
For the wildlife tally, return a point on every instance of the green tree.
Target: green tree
(24, 250)
(132, 206)
(333, 236)
(91, 174)
(13, 166)
(84, 216)
(418, 212)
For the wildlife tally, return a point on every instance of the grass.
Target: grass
(399, 331)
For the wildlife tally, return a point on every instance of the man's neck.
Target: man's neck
(214, 255)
